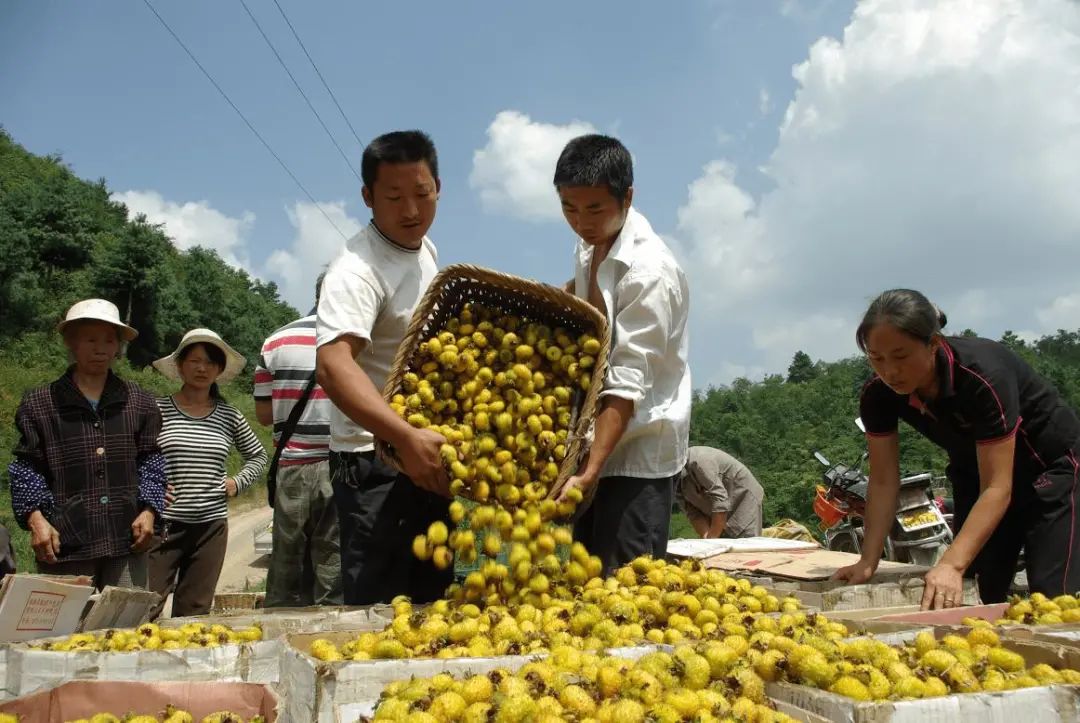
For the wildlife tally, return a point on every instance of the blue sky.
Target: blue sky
(699, 91)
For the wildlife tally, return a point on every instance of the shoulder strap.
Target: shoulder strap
(286, 433)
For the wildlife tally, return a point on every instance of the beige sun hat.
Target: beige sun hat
(234, 361)
(97, 310)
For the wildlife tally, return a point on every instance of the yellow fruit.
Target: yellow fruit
(850, 687)
(442, 557)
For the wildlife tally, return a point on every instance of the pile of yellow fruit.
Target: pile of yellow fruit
(646, 601)
(171, 714)
(704, 684)
(1039, 610)
(153, 637)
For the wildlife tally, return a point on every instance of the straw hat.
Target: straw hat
(234, 361)
(98, 310)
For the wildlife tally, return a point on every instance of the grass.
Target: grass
(39, 360)
(680, 527)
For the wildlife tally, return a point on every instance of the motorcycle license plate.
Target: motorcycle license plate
(919, 518)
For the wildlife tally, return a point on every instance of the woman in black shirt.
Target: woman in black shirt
(1012, 443)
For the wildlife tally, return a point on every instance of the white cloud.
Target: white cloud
(316, 241)
(1061, 313)
(764, 101)
(513, 171)
(934, 146)
(194, 223)
(315, 245)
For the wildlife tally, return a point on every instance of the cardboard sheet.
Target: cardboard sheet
(118, 607)
(812, 564)
(701, 549)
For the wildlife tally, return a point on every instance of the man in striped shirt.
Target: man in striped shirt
(305, 564)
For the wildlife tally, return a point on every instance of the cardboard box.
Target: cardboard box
(352, 712)
(278, 622)
(813, 564)
(319, 692)
(30, 670)
(81, 699)
(37, 606)
(312, 690)
(1053, 703)
(829, 595)
(950, 616)
(1059, 702)
(5, 692)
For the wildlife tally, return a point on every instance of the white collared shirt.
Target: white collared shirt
(648, 302)
(370, 292)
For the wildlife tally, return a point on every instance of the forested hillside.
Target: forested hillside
(62, 239)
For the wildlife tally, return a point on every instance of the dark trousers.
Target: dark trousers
(188, 563)
(628, 517)
(380, 511)
(1041, 519)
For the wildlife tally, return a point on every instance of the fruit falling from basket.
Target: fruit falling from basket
(504, 392)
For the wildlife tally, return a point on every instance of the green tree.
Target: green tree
(801, 369)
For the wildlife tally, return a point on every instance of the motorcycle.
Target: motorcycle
(920, 533)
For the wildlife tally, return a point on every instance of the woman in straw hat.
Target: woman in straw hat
(88, 477)
(199, 429)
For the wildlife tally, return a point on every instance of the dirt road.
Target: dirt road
(242, 565)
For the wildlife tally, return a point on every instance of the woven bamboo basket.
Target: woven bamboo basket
(459, 284)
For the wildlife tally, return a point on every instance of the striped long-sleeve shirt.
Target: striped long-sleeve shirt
(195, 449)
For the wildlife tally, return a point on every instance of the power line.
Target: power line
(301, 91)
(325, 84)
(244, 118)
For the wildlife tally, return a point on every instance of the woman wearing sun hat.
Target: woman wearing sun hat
(87, 475)
(199, 429)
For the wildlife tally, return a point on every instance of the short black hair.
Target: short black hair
(905, 309)
(596, 160)
(398, 147)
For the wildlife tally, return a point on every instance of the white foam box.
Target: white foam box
(30, 670)
(1052, 703)
(318, 692)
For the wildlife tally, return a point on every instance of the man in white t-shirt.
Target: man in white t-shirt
(367, 302)
(624, 269)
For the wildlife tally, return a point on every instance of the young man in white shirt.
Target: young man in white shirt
(366, 304)
(642, 427)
